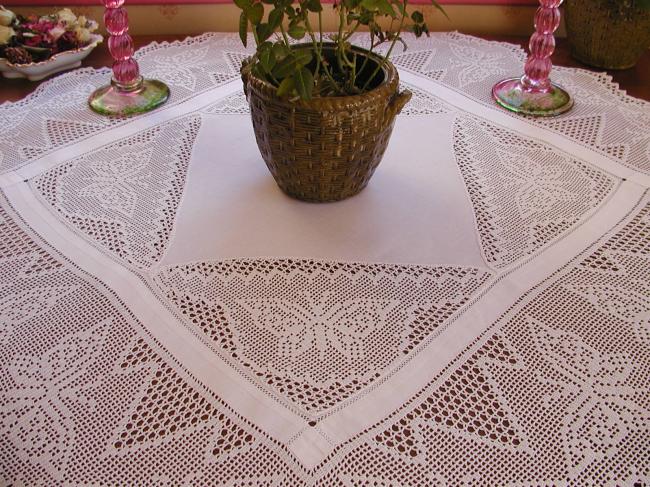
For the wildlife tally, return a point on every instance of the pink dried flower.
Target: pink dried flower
(35, 41)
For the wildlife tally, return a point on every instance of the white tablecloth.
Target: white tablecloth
(478, 315)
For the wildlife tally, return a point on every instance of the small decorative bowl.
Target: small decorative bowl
(57, 63)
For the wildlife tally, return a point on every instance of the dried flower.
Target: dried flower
(34, 40)
(66, 15)
(6, 34)
(57, 32)
(18, 55)
(83, 35)
(7, 17)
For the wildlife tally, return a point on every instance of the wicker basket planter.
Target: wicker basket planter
(324, 149)
(602, 37)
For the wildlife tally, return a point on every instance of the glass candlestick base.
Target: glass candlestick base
(514, 95)
(122, 100)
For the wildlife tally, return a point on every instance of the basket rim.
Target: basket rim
(385, 89)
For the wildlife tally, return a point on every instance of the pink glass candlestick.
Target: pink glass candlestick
(128, 93)
(534, 93)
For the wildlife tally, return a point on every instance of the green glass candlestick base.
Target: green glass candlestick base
(513, 95)
(118, 100)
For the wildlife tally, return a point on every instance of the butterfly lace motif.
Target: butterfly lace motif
(321, 325)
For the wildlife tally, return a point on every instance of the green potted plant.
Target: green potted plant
(611, 34)
(323, 109)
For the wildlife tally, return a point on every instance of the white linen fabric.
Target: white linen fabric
(478, 315)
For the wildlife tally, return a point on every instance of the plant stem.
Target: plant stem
(365, 61)
(318, 47)
(275, 81)
(341, 55)
(354, 73)
(339, 39)
(352, 31)
(390, 49)
(320, 28)
(284, 35)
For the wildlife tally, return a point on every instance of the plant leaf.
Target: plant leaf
(417, 17)
(385, 8)
(243, 4)
(258, 72)
(296, 31)
(303, 57)
(255, 13)
(292, 63)
(280, 51)
(275, 18)
(401, 7)
(286, 87)
(263, 32)
(285, 68)
(382, 6)
(313, 5)
(304, 82)
(243, 27)
(369, 4)
(267, 59)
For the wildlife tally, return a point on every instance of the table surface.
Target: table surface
(636, 81)
(477, 315)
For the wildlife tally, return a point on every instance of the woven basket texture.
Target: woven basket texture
(324, 149)
(600, 37)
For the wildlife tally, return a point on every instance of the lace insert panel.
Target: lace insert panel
(57, 114)
(524, 193)
(123, 197)
(604, 118)
(558, 395)
(315, 333)
(85, 399)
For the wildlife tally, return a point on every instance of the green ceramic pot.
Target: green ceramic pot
(605, 37)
